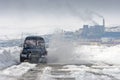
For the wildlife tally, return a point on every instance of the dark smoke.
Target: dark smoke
(86, 15)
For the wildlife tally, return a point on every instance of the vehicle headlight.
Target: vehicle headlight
(23, 55)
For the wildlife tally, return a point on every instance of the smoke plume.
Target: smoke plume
(85, 15)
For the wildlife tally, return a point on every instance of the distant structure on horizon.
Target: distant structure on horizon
(97, 31)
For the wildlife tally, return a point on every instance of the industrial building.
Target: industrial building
(98, 32)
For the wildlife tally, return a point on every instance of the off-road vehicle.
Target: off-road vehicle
(34, 50)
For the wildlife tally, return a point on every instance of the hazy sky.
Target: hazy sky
(46, 15)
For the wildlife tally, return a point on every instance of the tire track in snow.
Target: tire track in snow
(103, 74)
(67, 72)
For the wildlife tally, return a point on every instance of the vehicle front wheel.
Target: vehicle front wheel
(22, 59)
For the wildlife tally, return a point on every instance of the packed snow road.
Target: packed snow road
(72, 72)
(27, 71)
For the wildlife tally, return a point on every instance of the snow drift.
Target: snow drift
(16, 71)
(99, 54)
(9, 56)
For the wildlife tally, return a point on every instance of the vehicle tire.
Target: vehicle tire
(22, 59)
(46, 52)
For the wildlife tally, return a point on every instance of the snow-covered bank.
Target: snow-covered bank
(9, 56)
(98, 54)
(15, 71)
(18, 70)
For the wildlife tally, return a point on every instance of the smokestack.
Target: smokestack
(103, 22)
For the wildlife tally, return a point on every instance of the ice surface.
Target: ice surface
(18, 70)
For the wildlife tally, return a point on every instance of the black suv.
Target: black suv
(34, 50)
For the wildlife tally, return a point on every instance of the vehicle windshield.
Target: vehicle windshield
(34, 43)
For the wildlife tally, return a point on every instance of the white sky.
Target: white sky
(44, 16)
